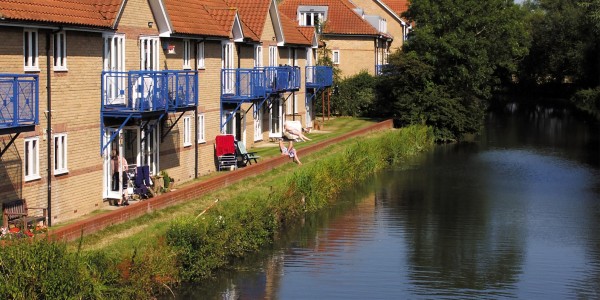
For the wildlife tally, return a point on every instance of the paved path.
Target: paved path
(194, 191)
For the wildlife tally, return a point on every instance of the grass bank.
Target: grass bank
(190, 243)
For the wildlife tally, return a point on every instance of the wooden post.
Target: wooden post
(328, 104)
(323, 106)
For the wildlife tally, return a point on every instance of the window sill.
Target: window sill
(60, 69)
(32, 178)
(31, 69)
(202, 142)
(187, 145)
(60, 172)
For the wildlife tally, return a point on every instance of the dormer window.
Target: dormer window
(312, 15)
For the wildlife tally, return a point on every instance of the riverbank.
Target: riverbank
(191, 244)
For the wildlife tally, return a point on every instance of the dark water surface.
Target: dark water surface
(514, 215)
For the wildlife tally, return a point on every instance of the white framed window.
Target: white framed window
(311, 18)
(187, 49)
(227, 55)
(60, 154)
(114, 52)
(30, 50)
(60, 51)
(32, 158)
(309, 56)
(258, 56)
(187, 132)
(201, 133)
(273, 56)
(335, 57)
(149, 53)
(200, 55)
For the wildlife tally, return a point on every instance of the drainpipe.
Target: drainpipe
(49, 126)
(294, 93)
(196, 118)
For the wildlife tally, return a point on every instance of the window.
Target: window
(149, 53)
(273, 56)
(114, 52)
(187, 132)
(312, 15)
(186, 55)
(227, 56)
(201, 136)
(60, 51)
(32, 158)
(336, 57)
(200, 55)
(30, 50)
(60, 154)
(309, 56)
(258, 56)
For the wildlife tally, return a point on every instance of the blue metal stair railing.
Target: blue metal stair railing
(318, 76)
(240, 86)
(19, 100)
(182, 89)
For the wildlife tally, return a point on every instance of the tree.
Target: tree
(462, 47)
(565, 46)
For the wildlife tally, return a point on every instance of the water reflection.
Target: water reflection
(514, 215)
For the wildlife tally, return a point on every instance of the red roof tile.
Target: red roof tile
(253, 14)
(307, 31)
(95, 13)
(292, 33)
(341, 18)
(209, 18)
(398, 6)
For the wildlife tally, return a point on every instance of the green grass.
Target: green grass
(127, 236)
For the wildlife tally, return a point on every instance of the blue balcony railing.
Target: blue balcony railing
(19, 100)
(242, 85)
(319, 76)
(148, 91)
(281, 79)
(379, 69)
(182, 87)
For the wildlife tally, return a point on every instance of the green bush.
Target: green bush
(355, 96)
(588, 100)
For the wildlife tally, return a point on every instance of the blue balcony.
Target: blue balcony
(281, 79)
(140, 92)
(242, 85)
(319, 77)
(182, 87)
(19, 101)
(379, 69)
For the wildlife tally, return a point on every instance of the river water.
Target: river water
(515, 214)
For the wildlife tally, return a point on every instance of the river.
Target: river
(513, 215)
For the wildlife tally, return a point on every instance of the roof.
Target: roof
(93, 13)
(341, 18)
(209, 17)
(293, 33)
(398, 6)
(253, 14)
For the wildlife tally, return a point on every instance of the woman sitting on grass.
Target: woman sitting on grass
(290, 151)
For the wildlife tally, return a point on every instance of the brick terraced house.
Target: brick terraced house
(359, 34)
(92, 87)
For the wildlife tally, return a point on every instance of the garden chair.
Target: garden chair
(225, 152)
(246, 156)
(16, 212)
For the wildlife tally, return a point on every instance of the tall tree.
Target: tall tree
(468, 45)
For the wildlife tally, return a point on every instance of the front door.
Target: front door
(112, 154)
(150, 145)
(275, 119)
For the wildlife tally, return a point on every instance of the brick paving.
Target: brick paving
(195, 190)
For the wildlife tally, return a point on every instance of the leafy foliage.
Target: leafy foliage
(458, 52)
(355, 96)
